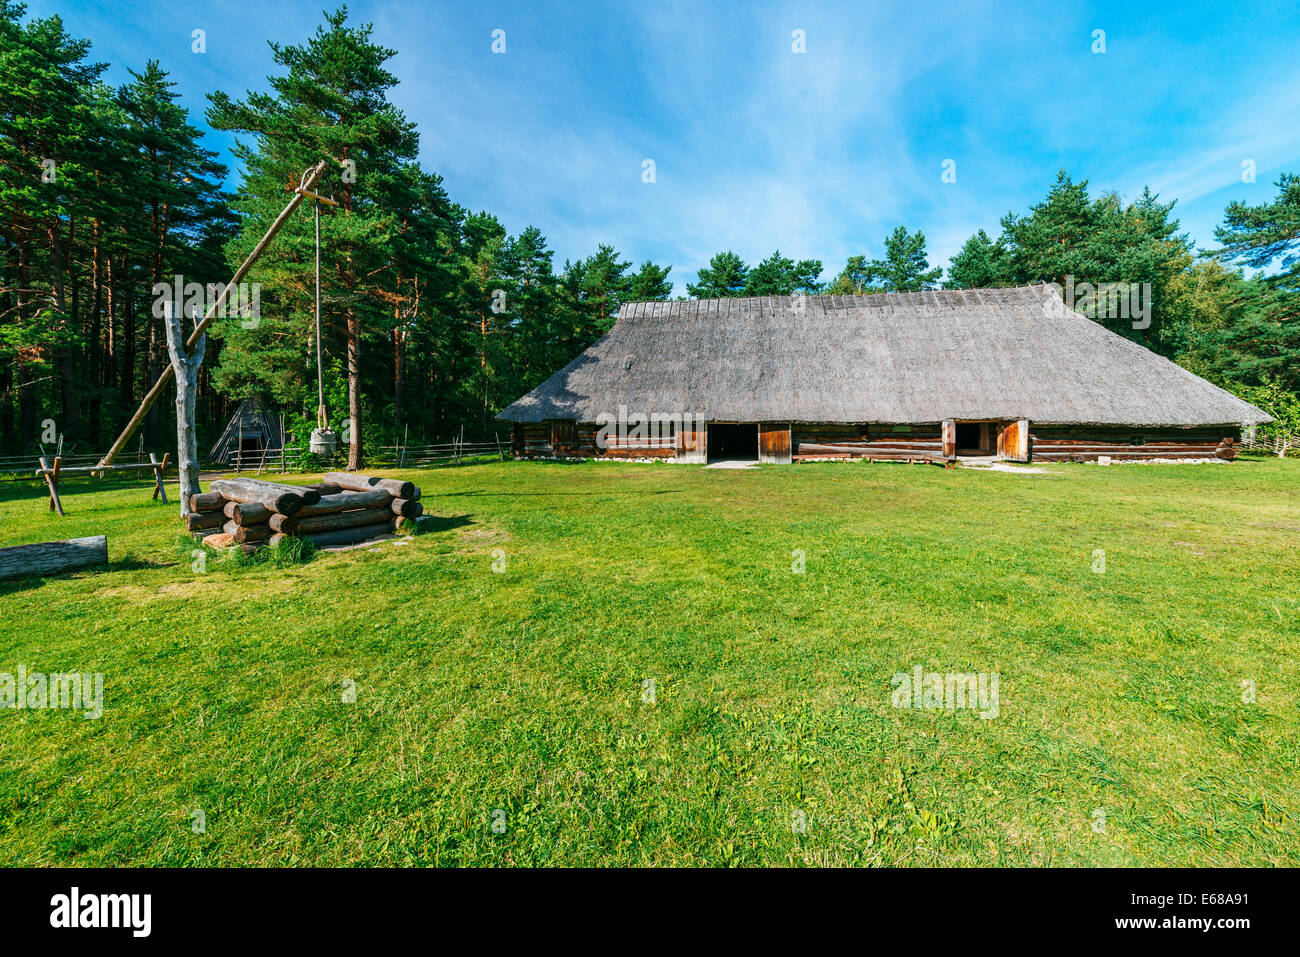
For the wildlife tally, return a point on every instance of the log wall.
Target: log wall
(1085, 443)
(877, 442)
(542, 440)
(780, 442)
(531, 439)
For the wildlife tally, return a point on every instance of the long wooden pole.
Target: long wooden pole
(322, 420)
(312, 177)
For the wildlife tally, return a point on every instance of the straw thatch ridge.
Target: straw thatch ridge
(891, 358)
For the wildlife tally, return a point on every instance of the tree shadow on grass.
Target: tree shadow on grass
(604, 492)
(441, 523)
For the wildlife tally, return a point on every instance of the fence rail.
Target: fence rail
(292, 459)
(446, 452)
(1270, 444)
(394, 456)
(29, 464)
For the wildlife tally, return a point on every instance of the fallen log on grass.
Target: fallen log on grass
(47, 558)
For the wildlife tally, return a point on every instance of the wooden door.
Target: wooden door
(1013, 441)
(774, 443)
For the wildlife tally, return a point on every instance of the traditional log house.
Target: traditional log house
(925, 376)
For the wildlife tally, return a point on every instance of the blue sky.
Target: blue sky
(757, 147)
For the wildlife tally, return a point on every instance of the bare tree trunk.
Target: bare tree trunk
(187, 379)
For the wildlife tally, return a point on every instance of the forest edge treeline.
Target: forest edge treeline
(435, 317)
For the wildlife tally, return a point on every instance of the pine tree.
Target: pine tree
(177, 185)
(1071, 239)
(485, 300)
(905, 268)
(605, 286)
(1266, 339)
(725, 275)
(1260, 235)
(981, 264)
(771, 277)
(527, 263)
(48, 138)
(1051, 244)
(650, 282)
(331, 102)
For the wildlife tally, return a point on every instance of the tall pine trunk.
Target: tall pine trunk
(65, 355)
(126, 362)
(96, 346)
(151, 373)
(355, 458)
(399, 373)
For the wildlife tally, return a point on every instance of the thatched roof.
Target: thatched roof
(889, 358)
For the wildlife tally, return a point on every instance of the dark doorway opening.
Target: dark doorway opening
(733, 443)
(973, 438)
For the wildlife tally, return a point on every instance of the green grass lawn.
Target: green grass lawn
(515, 698)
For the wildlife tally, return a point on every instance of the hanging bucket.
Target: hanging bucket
(323, 442)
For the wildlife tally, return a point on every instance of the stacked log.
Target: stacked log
(207, 514)
(344, 509)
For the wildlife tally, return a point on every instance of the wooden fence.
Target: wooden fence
(456, 452)
(29, 464)
(1269, 444)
